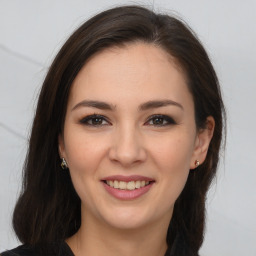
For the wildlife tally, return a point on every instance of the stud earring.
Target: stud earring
(64, 164)
(197, 163)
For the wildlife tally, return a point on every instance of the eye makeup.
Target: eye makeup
(97, 120)
(160, 120)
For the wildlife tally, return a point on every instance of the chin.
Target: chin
(127, 223)
(130, 219)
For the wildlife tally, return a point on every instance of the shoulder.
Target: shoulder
(21, 250)
(54, 249)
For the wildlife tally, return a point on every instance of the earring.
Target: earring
(64, 164)
(197, 163)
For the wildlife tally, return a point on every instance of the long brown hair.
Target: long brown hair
(48, 208)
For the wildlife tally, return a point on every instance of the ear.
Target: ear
(61, 146)
(202, 142)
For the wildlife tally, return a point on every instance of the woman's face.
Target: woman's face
(130, 137)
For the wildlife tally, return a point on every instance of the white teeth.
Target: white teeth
(137, 184)
(116, 184)
(131, 185)
(122, 185)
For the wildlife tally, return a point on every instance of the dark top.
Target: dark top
(55, 249)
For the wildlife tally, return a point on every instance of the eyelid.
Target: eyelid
(87, 118)
(166, 118)
(170, 120)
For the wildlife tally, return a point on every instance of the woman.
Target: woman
(132, 107)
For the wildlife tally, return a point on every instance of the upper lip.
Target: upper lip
(127, 178)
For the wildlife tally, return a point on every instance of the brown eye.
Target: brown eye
(94, 120)
(160, 120)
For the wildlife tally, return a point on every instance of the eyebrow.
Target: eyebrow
(94, 104)
(145, 106)
(159, 104)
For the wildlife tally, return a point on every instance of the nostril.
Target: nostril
(127, 152)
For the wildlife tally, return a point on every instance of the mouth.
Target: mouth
(130, 185)
(127, 187)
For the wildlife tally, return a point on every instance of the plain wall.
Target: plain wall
(33, 31)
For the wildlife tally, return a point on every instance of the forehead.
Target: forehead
(136, 56)
(134, 71)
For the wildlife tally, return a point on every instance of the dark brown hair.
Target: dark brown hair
(48, 208)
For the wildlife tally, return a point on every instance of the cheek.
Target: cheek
(174, 154)
(83, 153)
(172, 158)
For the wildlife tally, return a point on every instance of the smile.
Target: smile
(127, 187)
(131, 185)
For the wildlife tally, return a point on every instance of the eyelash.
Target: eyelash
(88, 120)
(167, 120)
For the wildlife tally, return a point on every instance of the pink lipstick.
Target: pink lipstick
(127, 187)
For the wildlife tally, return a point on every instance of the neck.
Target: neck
(94, 238)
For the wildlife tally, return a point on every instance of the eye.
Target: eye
(160, 120)
(94, 120)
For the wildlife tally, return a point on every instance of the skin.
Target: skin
(129, 141)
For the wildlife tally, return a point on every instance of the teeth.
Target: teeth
(116, 184)
(137, 184)
(131, 185)
(122, 185)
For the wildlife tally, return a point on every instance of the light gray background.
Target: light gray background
(31, 32)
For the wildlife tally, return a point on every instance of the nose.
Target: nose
(127, 147)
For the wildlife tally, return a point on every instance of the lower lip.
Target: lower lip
(127, 194)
